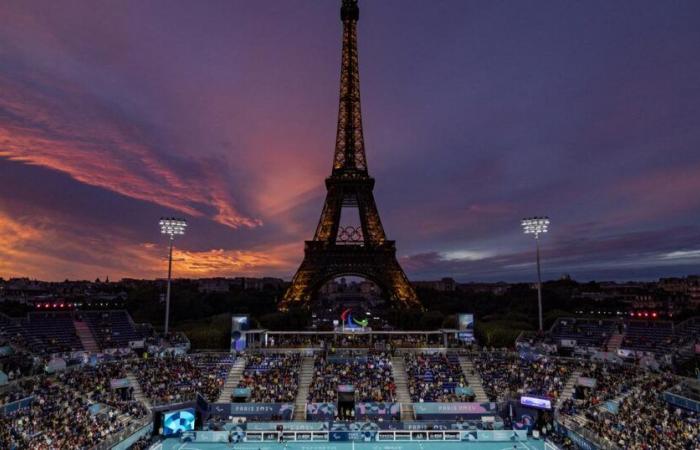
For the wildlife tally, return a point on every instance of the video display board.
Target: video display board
(175, 422)
(466, 327)
(536, 402)
(239, 326)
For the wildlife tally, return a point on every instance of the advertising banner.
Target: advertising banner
(682, 402)
(263, 411)
(241, 392)
(287, 426)
(429, 411)
(568, 343)
(118, 383)
(375, 410)
(353, 431)
(211, 436)
(13, 407)
(587, 382)
(321, 411)
(494, 435)
(466, 391)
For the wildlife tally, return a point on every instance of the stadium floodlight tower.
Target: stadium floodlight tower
(172, 227)
(537, 226)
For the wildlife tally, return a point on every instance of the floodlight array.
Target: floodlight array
(535, 225)
(172, 226)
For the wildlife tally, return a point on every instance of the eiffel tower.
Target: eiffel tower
(338, 249)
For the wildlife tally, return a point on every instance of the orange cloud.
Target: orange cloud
(58, 126)
(53, 249)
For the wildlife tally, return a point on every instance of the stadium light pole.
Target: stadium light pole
(537, 226)
(171, 227)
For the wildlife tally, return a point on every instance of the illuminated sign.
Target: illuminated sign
(536, 402)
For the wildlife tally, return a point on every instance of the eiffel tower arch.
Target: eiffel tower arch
(339, 249)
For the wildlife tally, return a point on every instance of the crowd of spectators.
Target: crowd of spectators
(370, 375)
(369, 341)
(611, 381)
(178, 378)
(295, 340)
(505, 374)
(644, 421)
(17, 391)
(142, 444)
(271, 378)
(58, 418)
(95, 384)
(434, 378)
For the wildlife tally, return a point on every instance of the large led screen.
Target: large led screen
(466, 327)
(175, 422)
(536, 402)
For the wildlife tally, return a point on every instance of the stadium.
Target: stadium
(76, 382)
(349, 353)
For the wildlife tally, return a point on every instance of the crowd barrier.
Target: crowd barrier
(253, 411)
(363, 410)
(19, 405)
(360, 435)
(583, 438)
(681, 401)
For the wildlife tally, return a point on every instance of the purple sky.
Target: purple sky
(476, 114)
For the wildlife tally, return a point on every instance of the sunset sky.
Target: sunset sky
(476, 114)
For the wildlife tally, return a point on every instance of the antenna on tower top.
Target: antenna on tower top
(349, 10)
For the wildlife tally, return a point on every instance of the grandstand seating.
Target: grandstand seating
(435, 377)
(370, 375)
(274, 377)
(649, 336)
(271, 378)
(55, 330)
(689, 330)
(505, 374)
(586, 332)
(111, 329)
(12, 330)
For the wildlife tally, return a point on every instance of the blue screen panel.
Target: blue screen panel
(176, 422)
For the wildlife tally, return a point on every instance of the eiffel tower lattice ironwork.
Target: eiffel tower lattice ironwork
(349, 250)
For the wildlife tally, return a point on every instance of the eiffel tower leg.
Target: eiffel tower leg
(299, 293)
(372, 228)
(328, 224)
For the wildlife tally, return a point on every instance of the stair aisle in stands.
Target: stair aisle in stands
(473, 379)
(86, 338)
(305, 377)
(138, 392)
(232, 379)
(569, 388)
(398, 368)
(615, 342)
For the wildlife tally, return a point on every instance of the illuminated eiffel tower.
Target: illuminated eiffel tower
(341, 249)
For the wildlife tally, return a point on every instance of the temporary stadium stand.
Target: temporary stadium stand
(430, 369)
(55, 331)
(13, 331)
(111, 329)
(689, 329)
(586, 332)
(649, 336)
